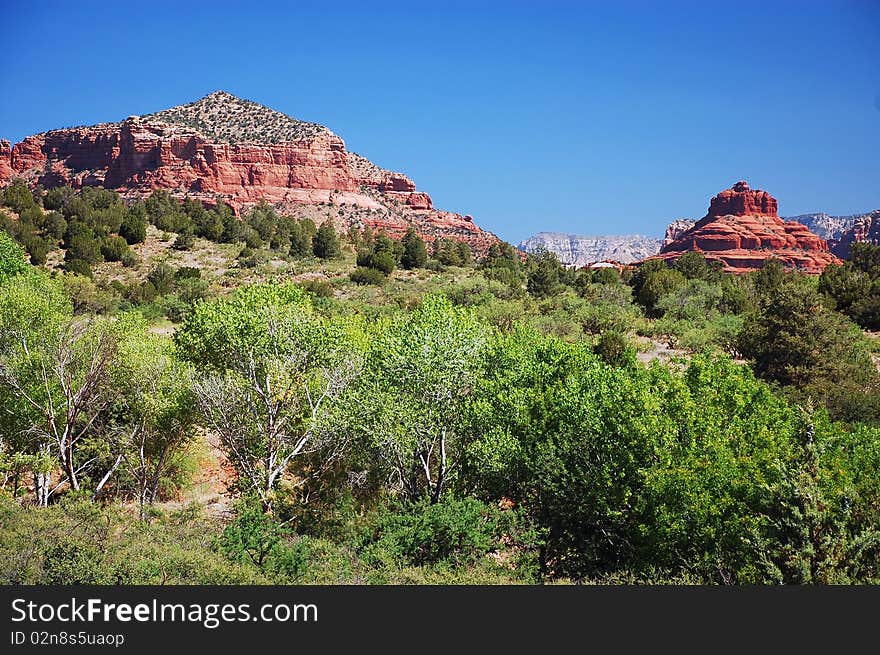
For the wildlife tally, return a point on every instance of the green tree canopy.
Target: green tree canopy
(325, 243)
(415, 254)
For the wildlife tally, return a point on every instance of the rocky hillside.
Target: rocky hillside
(864, 228)
(577, 251)
(841, 231)
(222, 148)
(838, 231)
(828, 227)
(676, 228)
(742, 229)
(223, 118)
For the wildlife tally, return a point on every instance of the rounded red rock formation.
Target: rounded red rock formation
(740, 200)
(742, 229)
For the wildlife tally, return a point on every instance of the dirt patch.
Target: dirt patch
(651, 349)
(212, 482)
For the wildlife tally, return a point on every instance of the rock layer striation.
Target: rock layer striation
(223, 149)
(742, 229)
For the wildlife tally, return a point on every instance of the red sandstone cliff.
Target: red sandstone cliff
(188, 150)
(6, 170)
(742, 229)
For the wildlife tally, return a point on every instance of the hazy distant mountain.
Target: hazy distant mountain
(575, 250)
(828, 227)
(676, 228)
(865, 228)
(842, 231)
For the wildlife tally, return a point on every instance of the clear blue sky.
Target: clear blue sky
(574, 117)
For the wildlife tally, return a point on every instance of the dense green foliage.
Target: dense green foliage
(12, 258)
(325, 243)
(450, 422)
(378, 253)
(855, 286)
(415, 254)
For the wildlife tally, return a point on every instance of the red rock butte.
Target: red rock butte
(742, 229)
(224, 149)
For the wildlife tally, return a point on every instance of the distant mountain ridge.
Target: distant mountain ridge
(843, 231)
(576, 250)
(826, 226)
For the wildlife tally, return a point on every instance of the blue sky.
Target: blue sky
(575, 117)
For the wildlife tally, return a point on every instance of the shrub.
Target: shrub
(415, 254)
(88, 297)
(455, 531)
(78, 542)
(54, 226)
(606, 276)
(614, 349)
(544, 275)
(795, 340)
(451, 252)
(257, 538)
(78, 266)
(162, 278)
(12, 257)
(191, 289)
(381, 261)
(363, 275)
(187, 272)
(114, 249)
(319, 288)
(85, 247)
(657, 284)
(57, 198)
(184, 241)
(325, 243)
(134, 226)
(174, 308)
(300, 241)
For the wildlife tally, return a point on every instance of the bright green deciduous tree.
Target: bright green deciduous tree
(55, 371)
(12, 258)
(270, 369)
(409, 401)
(153, 418)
